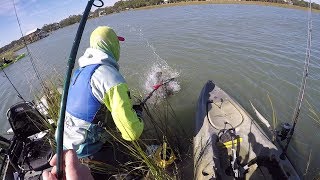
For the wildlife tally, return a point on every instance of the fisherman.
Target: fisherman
(98, 83)
(6, 61)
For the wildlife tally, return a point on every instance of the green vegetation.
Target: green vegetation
(132, 4)
(274, 116)
(20, 57)
(70, 20)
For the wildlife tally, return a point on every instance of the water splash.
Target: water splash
(156, 69)
(159, 72)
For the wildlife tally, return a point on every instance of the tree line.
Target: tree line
(124, 5)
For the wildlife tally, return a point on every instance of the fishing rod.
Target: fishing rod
(70, 66)
(19, 95)
(303, 84)
(155, 88)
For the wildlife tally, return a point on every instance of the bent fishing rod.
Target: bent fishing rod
(303, 84)
(70, 66)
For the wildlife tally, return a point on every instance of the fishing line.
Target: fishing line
(19, 95)
(296, 113)
(26, 46)
(306, 70)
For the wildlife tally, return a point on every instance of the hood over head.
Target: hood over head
(105, 39)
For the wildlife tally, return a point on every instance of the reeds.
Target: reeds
(274, 116)
(313, 113)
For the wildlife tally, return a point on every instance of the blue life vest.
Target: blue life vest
(81, 102)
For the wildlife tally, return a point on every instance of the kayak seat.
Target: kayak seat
(30, 149)
(25, 120)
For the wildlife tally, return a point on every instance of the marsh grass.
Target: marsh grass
(160, 128)
(274, 116)
(313, 113)
(48, 103)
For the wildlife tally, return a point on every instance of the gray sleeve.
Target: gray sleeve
(104, 78)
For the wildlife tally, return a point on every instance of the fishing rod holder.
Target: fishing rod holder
(285, 133)
(285, 129)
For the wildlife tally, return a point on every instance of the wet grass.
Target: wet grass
(313, 113)
(274, 116)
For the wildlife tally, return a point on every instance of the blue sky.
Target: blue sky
(35, 13)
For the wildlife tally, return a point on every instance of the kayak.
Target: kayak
(229, 144)
(20, 57)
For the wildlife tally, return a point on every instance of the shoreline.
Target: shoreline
(227, 2)
(10, 53)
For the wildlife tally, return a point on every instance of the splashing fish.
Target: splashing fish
(158, 75)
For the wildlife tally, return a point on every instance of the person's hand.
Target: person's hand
(138, 109)
(73, 169)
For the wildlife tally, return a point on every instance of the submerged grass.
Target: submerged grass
(274, 116)
(313, 113)
(159, 131)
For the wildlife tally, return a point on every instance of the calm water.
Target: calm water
(249, 51)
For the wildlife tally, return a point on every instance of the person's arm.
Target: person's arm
(119, 103)
(110, 88)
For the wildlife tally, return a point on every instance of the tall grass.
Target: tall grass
(48, 102)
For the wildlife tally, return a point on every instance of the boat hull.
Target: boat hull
(217, 111)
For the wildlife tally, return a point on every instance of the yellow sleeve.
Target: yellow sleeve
(119, 104)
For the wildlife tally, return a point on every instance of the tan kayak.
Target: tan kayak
(229, 144)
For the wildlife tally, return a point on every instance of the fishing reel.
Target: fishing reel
(284, 132)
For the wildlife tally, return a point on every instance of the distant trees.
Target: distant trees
(315, 6)
(123, 5)
(50, 27)
(272, 1)
(300, 3)
(70, 20)
(63, 23)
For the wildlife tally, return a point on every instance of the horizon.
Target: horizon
(34, 14)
